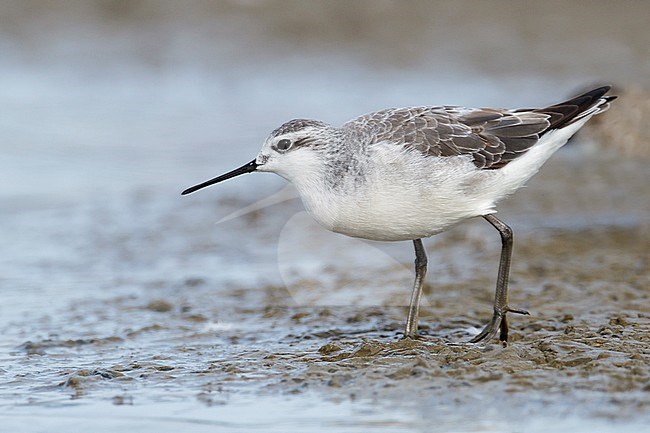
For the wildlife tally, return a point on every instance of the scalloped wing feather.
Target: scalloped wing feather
(493, 137)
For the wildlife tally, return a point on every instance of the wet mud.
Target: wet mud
(584, 350)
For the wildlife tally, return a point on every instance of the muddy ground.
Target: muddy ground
(199, 335)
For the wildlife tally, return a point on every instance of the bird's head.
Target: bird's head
(293, 151)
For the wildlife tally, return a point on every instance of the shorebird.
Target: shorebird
(409, 173)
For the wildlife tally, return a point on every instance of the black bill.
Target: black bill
(247, 168)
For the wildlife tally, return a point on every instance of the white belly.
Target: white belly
(404, 198)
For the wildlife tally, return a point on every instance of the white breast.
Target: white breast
(404, 195)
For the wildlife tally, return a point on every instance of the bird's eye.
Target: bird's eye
(284, 144)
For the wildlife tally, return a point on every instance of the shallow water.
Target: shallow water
(126, 306)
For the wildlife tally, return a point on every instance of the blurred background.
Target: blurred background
(97, 94)
(109, 108)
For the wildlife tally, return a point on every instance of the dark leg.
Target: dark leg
(499, 321)
(411, 330)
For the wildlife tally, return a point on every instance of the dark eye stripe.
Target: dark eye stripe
(304, 142)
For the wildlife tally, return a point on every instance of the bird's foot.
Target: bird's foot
(411, 336)
(498, 322)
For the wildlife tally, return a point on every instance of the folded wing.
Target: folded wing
(492, 137)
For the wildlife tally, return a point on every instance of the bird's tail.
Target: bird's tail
(566, 118)
(585, 105)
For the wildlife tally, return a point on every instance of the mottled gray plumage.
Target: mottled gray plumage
(493, 137)
(296, 125)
